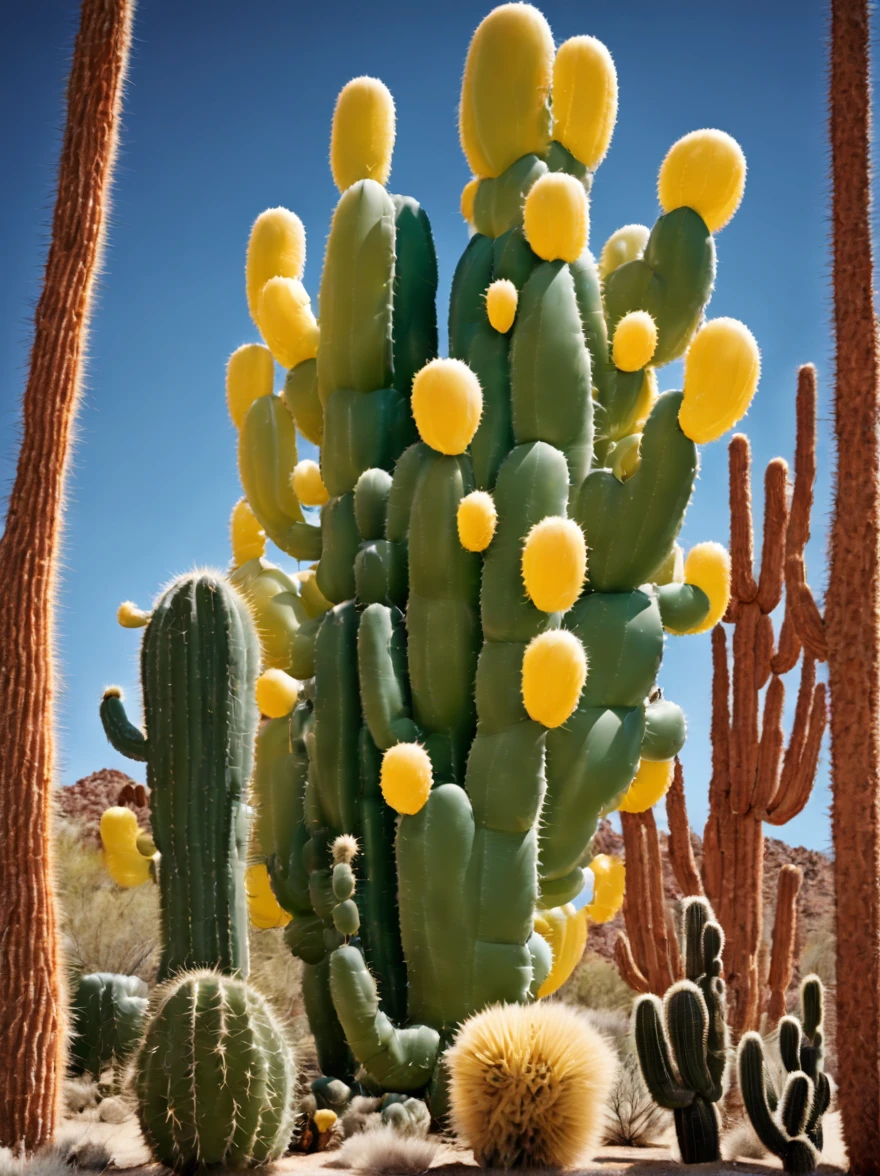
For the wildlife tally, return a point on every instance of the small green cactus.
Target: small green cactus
(107, 1019)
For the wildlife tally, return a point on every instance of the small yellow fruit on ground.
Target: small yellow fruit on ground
(130, 616)
(722, 368)
(406, 777)
(584, 99)
(447, 402)
(707, 567)
(609, 883)
(248, 539)
(250, 374)
(554, 564)
(276, 248)
(287, 322)
(468, 198)
(263, 907)
(705, 171)
(308, 485)
(556, 218)
(627, 244)
(650, 784)
(362, 138)
(277, 693)
(477, 519)
(635, 341)
(324, 1119)
(554, 671)
(501, 301)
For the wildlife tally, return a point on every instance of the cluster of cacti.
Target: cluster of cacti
(496, 558)
(106, 1021)
(682, 1040)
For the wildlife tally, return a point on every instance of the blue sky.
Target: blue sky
(228, 112)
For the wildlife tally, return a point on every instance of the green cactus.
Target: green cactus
(682, 1040)
(107, 1019)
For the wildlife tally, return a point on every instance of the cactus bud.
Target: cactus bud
(477, 519)
(406, 777)
(627, 244)
(250, 374)
(362, 138)
(554, 564)
(705, 171)
(554, 671)
(130, 616)
(721, 372)
(557, 217)
(287, 322)
(609, 883)
(707, 567)
(345, 850)
(447, 403)
(277, 693)
(277, 248)
(625, 456)
(308, 485)
(247, 537)
(650, 784)
(501, 300)
(584, 99)
(635, 341)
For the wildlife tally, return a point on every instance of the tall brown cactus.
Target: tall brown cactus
(31, 1007)
(852, 615)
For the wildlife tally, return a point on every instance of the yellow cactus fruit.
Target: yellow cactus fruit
(556, 217)
(477, 519)
(609, 883)
(468, 198)
(362, 138)
(277, 693)
(501, 299)
(705, 171)
(248, 539)
(504, 113)
(276, 249)
(584, 99)
(650, 784)
(287, 322)
(707, 567)
(635, 341)
(122, 859)
(565, 929)
(554, 564)
(627, 244)
(554, 671)
(263, 906)
(722, 368)
(130, 616)
(447, 402)
(250, 374)
(406, 777)
(308, 485)
(324, 1119)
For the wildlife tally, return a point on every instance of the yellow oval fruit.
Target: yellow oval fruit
(324, 1119)
(362, 138)
(635, 341)
(406, 777)
(722, 368)
(468, 198)
(248, 539)
(130, 616)
(504, 111)
(119, 829)
(276, 248)
(584, 99)
(556, 217)
(565, 930)
(263, 906)
(554, 564)
(707, 567)
(250, 374)
(277, 693)
(627, 244)
(650, 784)
(705, 171)
(447, 402)
(308, 485)
(554, 671)
(609, 883)
(287, 322)
(477, 519)
(501, 300)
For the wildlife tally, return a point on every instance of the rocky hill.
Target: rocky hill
(85, 800)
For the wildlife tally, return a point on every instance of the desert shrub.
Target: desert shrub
(278, 976)
(634, 1119)
(596, 984)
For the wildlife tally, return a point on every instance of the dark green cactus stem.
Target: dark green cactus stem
(802, 1049)
(334, 1054)
(107, 1019)
(786, 1136)
(498, 205)
(199, 662)
(122, 734)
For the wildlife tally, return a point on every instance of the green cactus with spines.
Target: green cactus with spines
(107, 1019)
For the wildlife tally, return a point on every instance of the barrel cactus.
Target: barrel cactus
(107, 1019)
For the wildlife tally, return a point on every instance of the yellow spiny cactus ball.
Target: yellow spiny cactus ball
(554, 564)
(627, 244)
(584, 99)
(707, 567)
(468, 199)
(129, 616)
(635, 341)
(447, 402)
(277, 693)
(705, 171)
(528, 1085)
(501, 301)
(722, 368)
(556, 217)
(650, 784)
(247, 537)
(276, 249)
(554, 671)
(287, 322)
(609, 883)
(308, 485)
(477, 519)
(263, 907)
(362, 138)
(406, 777)
(250, 374)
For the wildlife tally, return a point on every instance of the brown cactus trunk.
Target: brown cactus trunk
(32, 1004)
(852, 621)
(788, 888)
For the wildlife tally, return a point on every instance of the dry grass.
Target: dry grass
(596, 984)
(385, 1152)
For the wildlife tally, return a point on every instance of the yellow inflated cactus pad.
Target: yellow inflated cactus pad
(308, 485)
(501, 302)
(627, 244)
(477, 519)
(277, 693)
(565, 929)
(468, 198)
(554, 671)
(247, 537)
(122, 860)
(722, 368)
(705, 171)
(584, 99)
(556, 217)
(635, 341)
(406, 777)
(609, 883)
(554, 564)
(447, 402)
(263, 907)
(707, 567)
(287, 322)
(650, 784)
(250, 374)
(276, 249)
(362, 138)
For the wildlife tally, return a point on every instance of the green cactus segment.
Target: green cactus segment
(630, 526)
(682, 606)
(622, 633)
(467, 301)
(334, 1055)
(383, 676)
(371, 495)
(398, 1059)
(363, 430)
(107, 1019)
(303, 402)
(415, 292)
(665, 731)
(284, 620)
(672, 281)
(498, 204)
(215, 1079)
(337, 722)
(802, 1050)
(791, 1146)
(340, 540)
(653, 1049)
(121, 733)
(687, 1021)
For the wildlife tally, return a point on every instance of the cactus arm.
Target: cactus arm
(797, 1153)
(697, 1129)
(303, 402)
(654, 1057)
(796, 1103)
(383, 676)
(122, 734)
(682, 606)
(467, 306)
(498, 204)
(790, 1037)
(337, 719)
(687, 1022)
(334, 1055)
(415, 292)
(665, 731)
